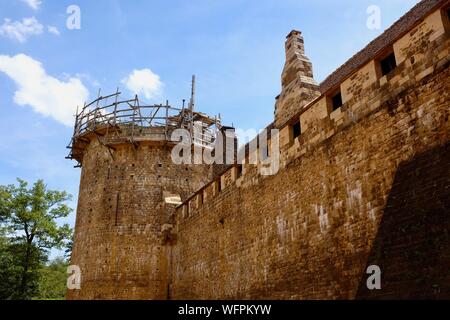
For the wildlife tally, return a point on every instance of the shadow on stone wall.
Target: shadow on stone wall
(412, 246)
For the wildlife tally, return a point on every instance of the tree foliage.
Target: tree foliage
(53, 280)
(29, 229)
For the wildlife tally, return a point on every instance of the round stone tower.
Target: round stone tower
(129, 189)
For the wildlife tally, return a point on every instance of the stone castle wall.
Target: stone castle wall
(124, 219)
(368, 183)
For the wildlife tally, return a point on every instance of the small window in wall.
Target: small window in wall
(296, 130)
(446, 18)
(388, 64)
(238, 171)
(265, 152)
(219, 185)
(336, 101)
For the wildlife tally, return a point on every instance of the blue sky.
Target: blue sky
(235, 47)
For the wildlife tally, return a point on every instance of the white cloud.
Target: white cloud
(144, 82)
(53, 30)
(44, 93)
(34, 4)
(21, 30)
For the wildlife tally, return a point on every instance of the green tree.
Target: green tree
(69, 248)
(29, 216)
(6, 266)
(53, 280)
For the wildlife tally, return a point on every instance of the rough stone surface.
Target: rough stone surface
(298, 84)
(123, 224)
(367, 184)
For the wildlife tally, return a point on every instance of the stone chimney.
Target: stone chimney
(298, 84)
